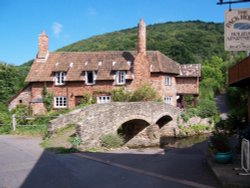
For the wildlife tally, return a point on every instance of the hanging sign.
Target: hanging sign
(237, 30)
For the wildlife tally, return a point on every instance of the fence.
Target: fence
(245, 157)
(29, 120)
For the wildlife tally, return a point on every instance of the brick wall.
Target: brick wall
(141, 72)
(37, 108)
(69, 90)
(158, 83)
(73, 89)
(185, 85)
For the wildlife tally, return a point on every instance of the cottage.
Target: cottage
(70, 74)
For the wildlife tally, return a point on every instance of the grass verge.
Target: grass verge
(38, 130)
(61, 140)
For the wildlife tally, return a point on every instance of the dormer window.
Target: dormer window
(60, 78)
(120, 77)
(168, 81)
(90, 77)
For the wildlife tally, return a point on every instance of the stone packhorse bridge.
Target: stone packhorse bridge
(140, 123)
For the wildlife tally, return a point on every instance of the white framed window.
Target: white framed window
(90, 77)
(60, 78)
(168, 100)
(168, 81)
(103, 99)
(120, 77)
(60, 102)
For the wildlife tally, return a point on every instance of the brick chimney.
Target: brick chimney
(141, 41)
(42, 46)
(141, 65)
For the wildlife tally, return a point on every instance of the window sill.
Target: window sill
(88, 84)
(60, 107)
(60, 84)
(120, 84)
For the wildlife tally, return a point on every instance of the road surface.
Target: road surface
(24, 164)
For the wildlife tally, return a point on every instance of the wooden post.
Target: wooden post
(248, 106)
(13, 122)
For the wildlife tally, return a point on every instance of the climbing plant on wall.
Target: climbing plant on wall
(47, 99)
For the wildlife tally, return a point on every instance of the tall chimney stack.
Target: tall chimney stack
(141, 43)
(42, 46)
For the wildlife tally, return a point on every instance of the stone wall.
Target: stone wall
(23, 97)
(62, 121)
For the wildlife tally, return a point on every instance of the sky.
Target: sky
(68, 21)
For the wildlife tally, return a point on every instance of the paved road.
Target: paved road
(24, 164)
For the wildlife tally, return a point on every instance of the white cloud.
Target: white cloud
(57, 28)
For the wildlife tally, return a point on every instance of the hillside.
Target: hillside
(185, 42)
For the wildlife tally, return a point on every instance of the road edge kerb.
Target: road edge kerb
(223, 182)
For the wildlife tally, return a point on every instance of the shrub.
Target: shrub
(21, 111)
(236, 99)
(120, 95)
(86, 99)
(185, 116)
(220, 142)
(5, 129)
(144, 93)
(193, 112)
(75, 141)
(188, 113)
(188, 100)
(112, 140)
(207, 108)
(5, 118)
(198, 128)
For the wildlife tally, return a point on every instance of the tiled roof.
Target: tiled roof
(190, 70)
(104, 63)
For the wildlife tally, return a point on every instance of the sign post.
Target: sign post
(237, 30)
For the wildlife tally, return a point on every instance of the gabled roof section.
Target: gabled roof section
(161, 63)
(190, 70)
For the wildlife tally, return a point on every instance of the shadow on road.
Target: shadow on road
(172, 167)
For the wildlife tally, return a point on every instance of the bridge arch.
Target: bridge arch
(96, 120)
(163, 120)
(130, 129)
